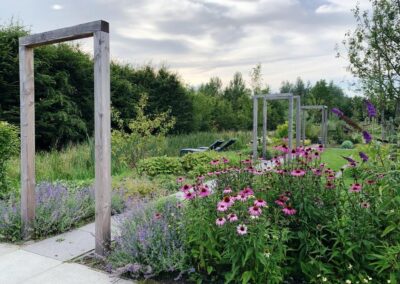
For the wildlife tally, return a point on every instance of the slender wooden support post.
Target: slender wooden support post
(264, 141)
(290, 125)
(255, 123)
(303, 127)
(27, 104)
(298, 121)
(326, 127)
(102, 141)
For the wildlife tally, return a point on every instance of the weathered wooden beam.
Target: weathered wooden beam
(264, 130)
(290, 131)
(102, 142)
(255, 131)
(298, 121)
(27, 104)
(65, 34)
(313, 107)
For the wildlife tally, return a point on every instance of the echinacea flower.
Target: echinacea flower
(189, 195)
(157, 216)
(227, 190)
(356, 187)
(186, 187)
(298, 173)
(228, 201)
(338, 112)
(365, 205)
(260, 203)
(222, 207)
(232, 217)
(367, 136)
(225, 160)
(180, 179)
(241, 197)
(204, 191)
(241, 229)
(363, 156)
(289, 210)
(247, 191)
(330, 185)
(255, 211)
(316, 172)
(370, 109)
(280, 202)
(370, 181)
(214, 162)
(220, 221)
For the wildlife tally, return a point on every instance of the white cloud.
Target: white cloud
(57, 7)
(340, 6)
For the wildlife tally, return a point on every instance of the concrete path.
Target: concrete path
(45, 261)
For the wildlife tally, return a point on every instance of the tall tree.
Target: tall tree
(373, 52)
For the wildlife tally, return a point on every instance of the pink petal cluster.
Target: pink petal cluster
(355, 187)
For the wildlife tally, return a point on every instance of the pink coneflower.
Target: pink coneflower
(186, 187)
(289, 210)
(381, 175)
(246, 162)
(180, 179)
(217, 173)
(370, 181)
(157, 216)
(331, 177)
(330, 185)
(210, 173)
(204, 191)
(232, 217)
(280, 202)
(241, 197)
(320, 147)
(214, 162)
(280, 172)
(189, 195)
(365, 205)
(247, 191)
(225, 160)
(316, 155)
(355, 187)
(298, 173)
(260, 203)
(322, 165)
(222, 206)
(200, 178)
(228, 201)
(255, 211)
(220, 221)
(241, 229)
(227, 190)
(316, 172)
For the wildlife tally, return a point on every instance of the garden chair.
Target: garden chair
(226, 145)
(213, 146)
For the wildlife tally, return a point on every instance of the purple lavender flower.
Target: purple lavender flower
(338, 112)
(350, 160)
(370, 109)
(367, 136)
(363, 156)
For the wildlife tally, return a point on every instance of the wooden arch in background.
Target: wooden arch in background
(99, 30)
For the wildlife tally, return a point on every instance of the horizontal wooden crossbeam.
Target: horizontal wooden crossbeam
(64, 34)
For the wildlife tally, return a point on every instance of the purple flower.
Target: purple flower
(363, 156)
(367, 136)
(338, 112)
(370, 109)
(350, 160)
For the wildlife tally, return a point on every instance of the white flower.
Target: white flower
(369, 278)
(365, 280)
(319, 275)
(348, 281)
(388, 281)
(324, 279)
(350, 267)
(267, 254)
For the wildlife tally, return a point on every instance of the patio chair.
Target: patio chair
(213, 146)
(226, 145)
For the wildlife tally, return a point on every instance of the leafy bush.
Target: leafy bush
(9, 144)
(347, 145)
(282, 130)
(160, 165)
(150, 240)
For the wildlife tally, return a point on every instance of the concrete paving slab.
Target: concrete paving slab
(68, 273)
(19, 265)
(65, 246)
(7, 248)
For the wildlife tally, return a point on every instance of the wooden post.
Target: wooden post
(102, 141)
(298, 121)
(27, 104)
(290, 125)
(255, 131)
(264, 141)
(303, 127)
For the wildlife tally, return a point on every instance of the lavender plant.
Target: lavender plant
(150, 241)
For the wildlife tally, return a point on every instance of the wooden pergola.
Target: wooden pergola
(99, 30)
(267, 97)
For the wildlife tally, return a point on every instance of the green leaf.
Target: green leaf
(246, 276)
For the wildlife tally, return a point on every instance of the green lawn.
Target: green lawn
(333, 157)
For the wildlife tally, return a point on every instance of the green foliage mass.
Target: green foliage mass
(8, 147)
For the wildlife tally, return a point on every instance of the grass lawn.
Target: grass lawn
(333, 157)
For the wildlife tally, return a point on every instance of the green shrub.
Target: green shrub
(9, 144)
(282, 130)
(347, 145)
(160, 166)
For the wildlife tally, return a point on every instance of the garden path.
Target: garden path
(46, 261)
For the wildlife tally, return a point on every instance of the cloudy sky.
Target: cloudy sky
(204, 38)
